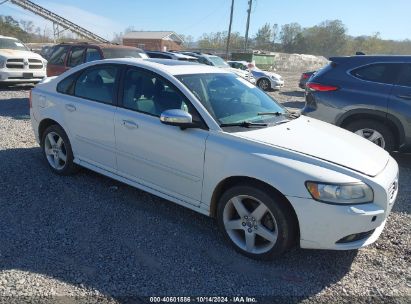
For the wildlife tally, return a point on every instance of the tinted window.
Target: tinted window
(405, 79)
(58, 56)
(76, 56)
(123, 53)
(66, 86)
(158, 55)
(97, 83)
(149, 93)
(92, 54)
(379, 72)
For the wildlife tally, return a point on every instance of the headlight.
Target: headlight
(349, 194)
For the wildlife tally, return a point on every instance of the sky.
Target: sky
(195, 17)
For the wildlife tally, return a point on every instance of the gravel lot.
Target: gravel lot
(87, 239)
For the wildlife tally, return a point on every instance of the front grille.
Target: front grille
(15, 63)
(392, 191)
(19, 63)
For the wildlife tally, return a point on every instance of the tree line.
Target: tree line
(328, 38)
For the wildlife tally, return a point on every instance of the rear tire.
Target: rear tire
(375, 131)
(264, 84)
(257, 223)
(57, 151)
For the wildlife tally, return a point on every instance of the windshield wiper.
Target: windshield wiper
(244, 124)
(269, 113)
(288, 114)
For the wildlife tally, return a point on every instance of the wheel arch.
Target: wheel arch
(235, 180)
(44, 124)
(393, 123)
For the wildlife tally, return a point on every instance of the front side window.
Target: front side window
(98, 83)
(76, 56)
(379, 72)
(149, 93)
(231, 99)
(59, 55)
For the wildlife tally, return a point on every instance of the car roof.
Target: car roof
(174, 54)
(100, 45)
(170, 66)
(371, 58)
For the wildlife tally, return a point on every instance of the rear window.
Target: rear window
(378, 72)
(123, 53)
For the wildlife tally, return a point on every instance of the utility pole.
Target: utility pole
(250, 3)
(229, 29)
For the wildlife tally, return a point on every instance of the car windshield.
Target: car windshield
(218, 62)
(233, 100)
(12, 44)
(123, 53)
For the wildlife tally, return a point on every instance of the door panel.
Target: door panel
(163, 157)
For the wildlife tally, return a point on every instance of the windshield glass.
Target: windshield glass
(12, 44)
(123, 53)
(231, 99)
(218, 62)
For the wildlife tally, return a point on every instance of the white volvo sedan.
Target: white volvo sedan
(207, 139)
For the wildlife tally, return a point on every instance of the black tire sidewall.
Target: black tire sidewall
(374, 125)
(261, 81)
(69, 167)
(287, 231)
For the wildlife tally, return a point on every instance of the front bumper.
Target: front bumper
(323, 226)
(21, 75)
(276, 84)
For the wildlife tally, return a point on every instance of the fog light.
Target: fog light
(355, 237)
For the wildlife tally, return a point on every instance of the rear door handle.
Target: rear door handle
(404, 96)
(130, 124)
(70, 107)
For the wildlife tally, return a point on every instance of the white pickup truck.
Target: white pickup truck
(18, 64)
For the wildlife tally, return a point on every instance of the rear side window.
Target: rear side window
(405, 79)
(98, 83)
(76, 56)
(92, 54)
(59, 54)
(379, 72)
(66, 86)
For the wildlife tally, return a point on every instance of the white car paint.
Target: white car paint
(186, 166)
(18, 66)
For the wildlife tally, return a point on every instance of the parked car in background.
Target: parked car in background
(206, 139)
(219, 62)
(304, 78)
(65, 56)
(264, 79)
(368, 95)
(18, 64)
(46, 51)
(171, 55)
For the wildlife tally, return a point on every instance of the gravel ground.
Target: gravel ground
(87, 238)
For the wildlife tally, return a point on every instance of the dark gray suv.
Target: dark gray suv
(368, 95)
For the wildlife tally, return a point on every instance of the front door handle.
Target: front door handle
(130, 124)
(70, 107)
(408, 97)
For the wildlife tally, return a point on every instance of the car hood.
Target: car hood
(259, 73)
(8, 53)
(323, 141)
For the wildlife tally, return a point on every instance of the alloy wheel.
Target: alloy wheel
(264, 84)
(372, 135)
(250, 224)
(55, 150)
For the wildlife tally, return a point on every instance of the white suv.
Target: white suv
(208, 140)
(18, 64)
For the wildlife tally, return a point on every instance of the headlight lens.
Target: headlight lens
(349, 194)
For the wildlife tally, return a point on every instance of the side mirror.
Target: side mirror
(177, 117)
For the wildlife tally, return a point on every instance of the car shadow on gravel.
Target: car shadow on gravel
(92, 232)
(293, 93)
(17, 108)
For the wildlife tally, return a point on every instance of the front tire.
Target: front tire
(374, 131)
(257, 223)
(57, 151)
